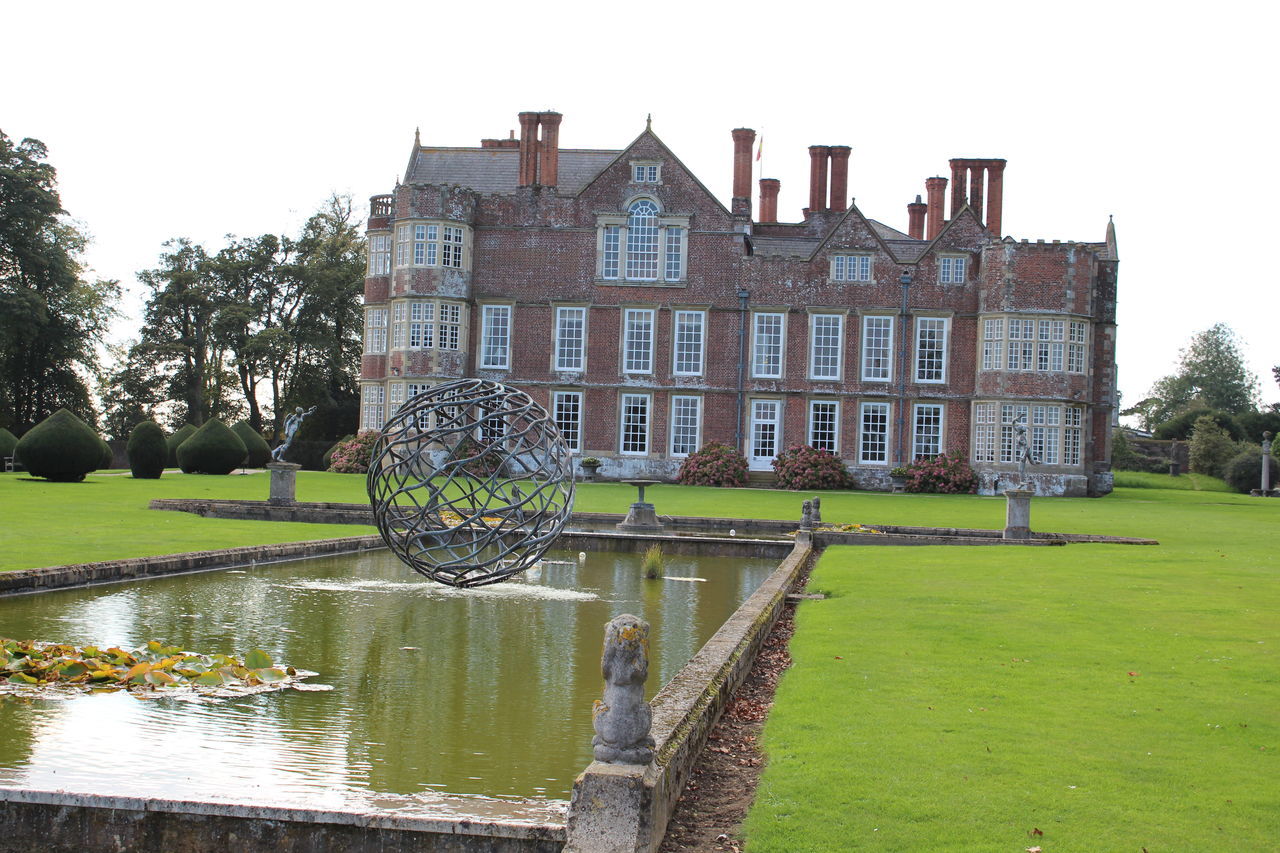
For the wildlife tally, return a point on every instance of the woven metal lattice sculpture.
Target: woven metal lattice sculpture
(470, 482)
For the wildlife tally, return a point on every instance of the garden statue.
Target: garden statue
(1022, 449)
(817, 511)
(622, 719)
(291, 425)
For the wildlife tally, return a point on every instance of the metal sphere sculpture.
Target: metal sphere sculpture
(470, 482)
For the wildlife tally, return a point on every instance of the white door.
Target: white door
(763, 440)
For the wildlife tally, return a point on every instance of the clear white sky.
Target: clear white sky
(198, 120)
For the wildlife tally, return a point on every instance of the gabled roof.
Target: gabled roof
(497, 170)
(648, 131)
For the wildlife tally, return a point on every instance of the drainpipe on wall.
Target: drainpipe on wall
(902, 368)
(743, 296)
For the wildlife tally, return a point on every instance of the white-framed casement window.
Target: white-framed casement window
(1049, 344)
(689, 343)
(374, 413)
(1075, 347)
(851, 268)
(1041, 344)
(1022, 348)
(375, 331)
(495, 337)
(926, 433)
(449, 327)
(399, 313)
(826, 339)
(686, 424)
(877, 348)
(379, 254)
(931, 349)
(824, 425)
(873, 434)
(984, 432)
(952, 269)
(993, 343)
(633, 438)
(1072, 432)
(395, 396)
(645, 172)
(1054, 432)
(424, 416)
(424, 325)
(430, 244)
(643, 245)
(566, 408)
(637, 340)
(766, 349)
(571, 338)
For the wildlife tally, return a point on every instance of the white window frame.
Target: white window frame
(495, 337)
(431, 244)
(375, 331)
(827, 345)
(879, 453)
(639, 417)
(953, 269)
(882, 363)
(937, 413)
(688, 342)
(669, 252)
(767, 355)
(1055, 432)
(985, 432)
(638, 325)
(373, 414)
(853, 268)
(831, 408)
(686, 414)
(646, 172)
(929, 332)
(566, 411)
(379, 254)
(570, 351)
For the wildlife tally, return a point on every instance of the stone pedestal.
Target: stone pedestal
(641, 518)
(1017, 518)
(283, 482)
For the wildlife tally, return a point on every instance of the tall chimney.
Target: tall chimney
(959, 185)
(769, 199)
(937, 190)
(995, 195)
(528, 150)
(839, 177)
(977, 177)
(549, 168)
(743, 139)
(915, 218)
(818, 155)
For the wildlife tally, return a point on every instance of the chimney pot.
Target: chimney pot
(528, 175)
(818, 156)
(839, 177)
(549, 149)
(769, 199)
(743, 139)
(915, 218)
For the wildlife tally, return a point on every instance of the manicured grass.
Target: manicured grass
(1111, 697)
(1191, 481)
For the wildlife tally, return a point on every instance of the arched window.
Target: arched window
(642, 245)
(642, 241)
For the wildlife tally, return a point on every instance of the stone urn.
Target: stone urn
(589, 465)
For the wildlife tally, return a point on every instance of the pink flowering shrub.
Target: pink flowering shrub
(947, 473)
(352, 455)
(714, 464)
(804, 467)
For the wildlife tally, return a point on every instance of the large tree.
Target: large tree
(1211, 374)
(51, 318)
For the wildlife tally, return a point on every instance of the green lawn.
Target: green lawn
(1112, 697)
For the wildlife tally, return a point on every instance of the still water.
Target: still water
(485, 691)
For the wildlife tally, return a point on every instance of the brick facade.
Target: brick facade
(616, 276)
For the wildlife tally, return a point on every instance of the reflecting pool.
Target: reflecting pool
(475, 692)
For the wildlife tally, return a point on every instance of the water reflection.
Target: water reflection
(485, 691)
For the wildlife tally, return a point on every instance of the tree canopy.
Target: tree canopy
(1211, 374)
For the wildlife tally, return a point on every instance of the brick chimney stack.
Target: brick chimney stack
(959, 186)
(967, 179)
(839, 177)
(937, 190)
(995, 196)
(915, 218)
(528, 150)
(818, 155)
(769, 199)
(549, 149)
(743, 139)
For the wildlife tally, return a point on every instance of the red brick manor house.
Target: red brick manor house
(649, 318)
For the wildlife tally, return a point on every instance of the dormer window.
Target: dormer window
(851, 268)
(643, 246)
(951, 269)
(645, 172)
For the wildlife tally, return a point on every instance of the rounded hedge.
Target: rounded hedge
(8, 441)
(175, 441)
(148, 451)
(214, 449)
(713, 464)
(327, 459)
(61, 448)
(804, 466)
(1244, 471)
(108, 455)
(259, 452)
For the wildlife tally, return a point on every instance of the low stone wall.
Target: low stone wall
(61, 822)
(623, 807)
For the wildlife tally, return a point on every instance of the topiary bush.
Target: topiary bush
(714, 464)
(148, 451)
(8, 441)
(802, 466)
(352, 455)
(946, 473)
(61, 448)
(175, 441)
(1244, 471)
(214, 449)
(259, 452)
(1211, 449)
(108, 455)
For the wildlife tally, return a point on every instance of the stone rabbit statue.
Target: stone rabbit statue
(622, 718)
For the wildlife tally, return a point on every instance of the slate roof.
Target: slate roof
(797, 247)
(496, 170)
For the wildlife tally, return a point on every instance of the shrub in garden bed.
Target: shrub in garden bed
(8, 441)
(214, 449)
(148, 451)
(1244, 471)
(805, 467)
(947, 473)
(256, 447)
(714, 464)
(175, 441)
(61, 448)
(352, 454)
